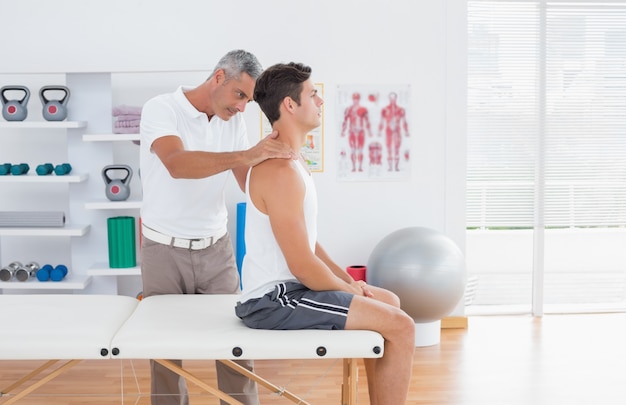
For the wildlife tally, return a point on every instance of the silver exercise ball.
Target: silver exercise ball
(423, 267)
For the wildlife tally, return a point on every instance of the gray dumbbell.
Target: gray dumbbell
(23, 273)
(7, 272)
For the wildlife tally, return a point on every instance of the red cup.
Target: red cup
(357, 272)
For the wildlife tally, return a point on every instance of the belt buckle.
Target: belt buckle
(192, 241)
(204, 243)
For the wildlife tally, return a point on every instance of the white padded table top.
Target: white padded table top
(42, 327)
(199, 327)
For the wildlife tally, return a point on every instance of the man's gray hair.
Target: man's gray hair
(238, 61)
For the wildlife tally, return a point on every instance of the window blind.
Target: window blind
(503, 113)
(586, 115)
(546, 112)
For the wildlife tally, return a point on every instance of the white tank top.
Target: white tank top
(264, 264)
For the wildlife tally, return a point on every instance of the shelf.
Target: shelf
(89, 122)
(43, 124)
(73, 282)
(51, 178)
(110, 137)
(112, 205)
(68, 230)
(103, 269)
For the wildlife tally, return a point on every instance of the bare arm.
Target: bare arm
(186, 164)
(277, 189)
(339, 272)
(334, 267)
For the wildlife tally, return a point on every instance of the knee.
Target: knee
(387, 297)
(404, 328)
(394, 299)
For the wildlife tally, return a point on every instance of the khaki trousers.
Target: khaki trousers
(171, 270)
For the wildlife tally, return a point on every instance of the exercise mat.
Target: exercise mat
(16, 219)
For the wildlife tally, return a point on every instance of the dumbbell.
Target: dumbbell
(23, 273)
(58, 273)
(20, 169)
(44, 169)
(62, 169)
(7, 272)
(43, 274)
(5, 169)
(47, 272)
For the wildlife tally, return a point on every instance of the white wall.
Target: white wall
(420, 43)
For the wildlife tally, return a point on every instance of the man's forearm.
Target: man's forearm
(198, 165)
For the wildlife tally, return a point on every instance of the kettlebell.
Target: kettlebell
(54, 110)
(117, 189)
(14, 110)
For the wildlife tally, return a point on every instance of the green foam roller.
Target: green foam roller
(121, 237)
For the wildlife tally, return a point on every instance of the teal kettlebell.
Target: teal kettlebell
(14, 110)
(54, 110)
(117, 189)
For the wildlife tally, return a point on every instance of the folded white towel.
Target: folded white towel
(126, 130)
(126, 109)
(128, 117)
(127, 124)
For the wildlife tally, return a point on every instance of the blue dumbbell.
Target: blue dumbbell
(18, 170)
(58, 273)
(43, 274)
(62, 169)
(44, 169)
(5, 169)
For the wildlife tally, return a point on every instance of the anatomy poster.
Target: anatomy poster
(313, 148)
(374, 132)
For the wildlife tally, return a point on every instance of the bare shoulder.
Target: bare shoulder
(274, 183)
(275, 171)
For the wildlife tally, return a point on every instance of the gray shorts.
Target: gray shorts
(294, 306)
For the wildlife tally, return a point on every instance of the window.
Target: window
(546, 175)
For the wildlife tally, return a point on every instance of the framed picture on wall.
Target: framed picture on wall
(313, 149)
(373, 132)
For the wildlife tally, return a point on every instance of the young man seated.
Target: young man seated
(289, 281)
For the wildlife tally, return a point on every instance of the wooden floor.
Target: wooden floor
(503, 360)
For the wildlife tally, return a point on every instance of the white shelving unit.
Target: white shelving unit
(43, 124)
(88, 147)
(51, 178)
(73, 282)
(112, 205)
(67, 230)
(102, 269)
(110, 137)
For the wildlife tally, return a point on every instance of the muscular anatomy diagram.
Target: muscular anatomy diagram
(373, 132)
(393, 122)
(356, 122)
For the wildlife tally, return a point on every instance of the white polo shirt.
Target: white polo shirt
(185, 208)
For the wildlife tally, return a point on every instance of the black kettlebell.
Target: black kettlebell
(54, 110)
(14, 110)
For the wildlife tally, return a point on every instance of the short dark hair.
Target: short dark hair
(277, 82)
